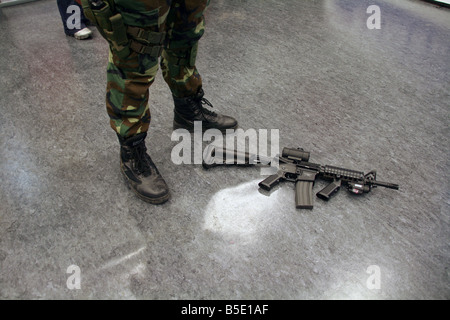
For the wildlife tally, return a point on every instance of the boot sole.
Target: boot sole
(176, 126)
(159, 200)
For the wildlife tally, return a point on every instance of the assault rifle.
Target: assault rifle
(294, 166)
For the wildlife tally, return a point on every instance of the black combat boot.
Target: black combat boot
(190, 109)
(140, 172)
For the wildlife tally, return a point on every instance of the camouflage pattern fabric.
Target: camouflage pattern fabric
(129, 78)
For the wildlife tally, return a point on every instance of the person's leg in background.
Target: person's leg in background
(73, 19)
(185, 26)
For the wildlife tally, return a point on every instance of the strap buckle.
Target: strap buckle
(143, 35)
(153, 51)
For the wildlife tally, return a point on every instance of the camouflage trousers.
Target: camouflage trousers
(129, 78)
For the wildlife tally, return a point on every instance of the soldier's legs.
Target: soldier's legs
(129, 77)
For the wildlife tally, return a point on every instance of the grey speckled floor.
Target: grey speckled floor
(354, 97)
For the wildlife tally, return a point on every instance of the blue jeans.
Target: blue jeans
(72, 16)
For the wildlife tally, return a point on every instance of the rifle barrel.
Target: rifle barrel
(384, 184)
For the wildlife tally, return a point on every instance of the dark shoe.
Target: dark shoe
(140, 172)
(190, 109)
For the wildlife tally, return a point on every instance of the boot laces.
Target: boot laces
(142, 161)
(203, 102)
(199, 105)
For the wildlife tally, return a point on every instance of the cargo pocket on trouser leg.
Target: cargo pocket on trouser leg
(179, 71)
(127, 93)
